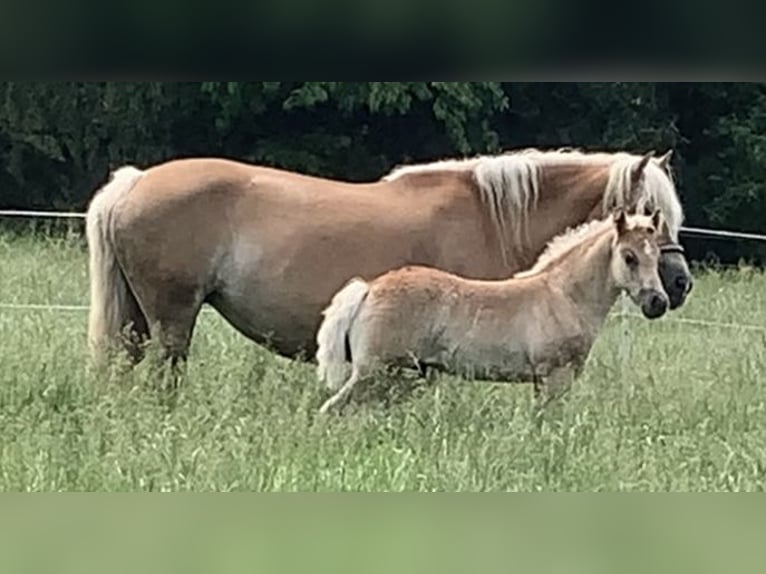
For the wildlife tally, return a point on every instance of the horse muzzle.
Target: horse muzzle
(674, 273)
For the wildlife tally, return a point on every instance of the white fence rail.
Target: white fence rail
(721, 233)
(51, 307)
(36, 214)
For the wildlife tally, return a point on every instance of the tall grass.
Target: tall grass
(685, 411)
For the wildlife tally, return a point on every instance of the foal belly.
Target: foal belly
(489, 364)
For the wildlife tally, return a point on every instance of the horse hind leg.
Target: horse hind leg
(171, 316)
(135, 334)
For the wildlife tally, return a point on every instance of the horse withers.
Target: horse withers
(537, 326)
(268, 248)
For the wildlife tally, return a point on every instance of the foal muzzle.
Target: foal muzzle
(654, 303)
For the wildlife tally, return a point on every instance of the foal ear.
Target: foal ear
(664, 161)
(620, 220)
(638, 169)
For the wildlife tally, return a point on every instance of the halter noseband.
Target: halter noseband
(672, 248)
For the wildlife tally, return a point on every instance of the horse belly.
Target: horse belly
(267, 322)
(257, 308)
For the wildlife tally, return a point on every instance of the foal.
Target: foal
(537, 326)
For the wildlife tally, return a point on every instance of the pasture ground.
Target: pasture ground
(685, 413)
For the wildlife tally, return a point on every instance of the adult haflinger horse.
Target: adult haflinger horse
(538, 326)
(268, 248)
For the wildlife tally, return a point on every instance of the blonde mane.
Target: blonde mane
(509, 184)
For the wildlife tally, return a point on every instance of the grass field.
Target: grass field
(687, 411)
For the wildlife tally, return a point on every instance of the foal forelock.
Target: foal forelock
(509, 185)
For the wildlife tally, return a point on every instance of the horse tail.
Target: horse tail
(332, 335)
(112, 304)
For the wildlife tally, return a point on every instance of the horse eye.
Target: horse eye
(630, 259)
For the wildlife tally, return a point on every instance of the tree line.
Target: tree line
(59, 140)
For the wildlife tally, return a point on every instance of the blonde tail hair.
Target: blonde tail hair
(112, 304)
(332, 333)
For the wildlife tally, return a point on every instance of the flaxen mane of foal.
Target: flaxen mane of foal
(267, 248)
(538, 326)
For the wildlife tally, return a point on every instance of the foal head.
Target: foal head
(635, 257)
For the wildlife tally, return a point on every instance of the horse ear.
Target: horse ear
(638, 169)
(620, 221)
(657, 219)
(664, 161)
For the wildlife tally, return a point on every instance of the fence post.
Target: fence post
(625, 342)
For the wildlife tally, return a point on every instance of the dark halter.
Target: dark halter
(672, 248)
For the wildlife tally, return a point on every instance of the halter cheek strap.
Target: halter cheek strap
(672, 248)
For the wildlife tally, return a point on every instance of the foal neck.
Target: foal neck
(584, 274)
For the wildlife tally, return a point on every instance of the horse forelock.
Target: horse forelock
(657, 190)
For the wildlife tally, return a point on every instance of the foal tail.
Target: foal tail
(112, 304)
(333, 332)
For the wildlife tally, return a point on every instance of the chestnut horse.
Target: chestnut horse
(268, 248)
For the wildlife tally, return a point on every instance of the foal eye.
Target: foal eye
(630, 259)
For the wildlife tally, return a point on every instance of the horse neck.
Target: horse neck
(569, 196)
(584, 275)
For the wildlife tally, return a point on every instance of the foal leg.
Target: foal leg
(538, 404)
(549, 388)
(559, 382)
(343, 394)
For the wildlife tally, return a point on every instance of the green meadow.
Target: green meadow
(679, 405)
